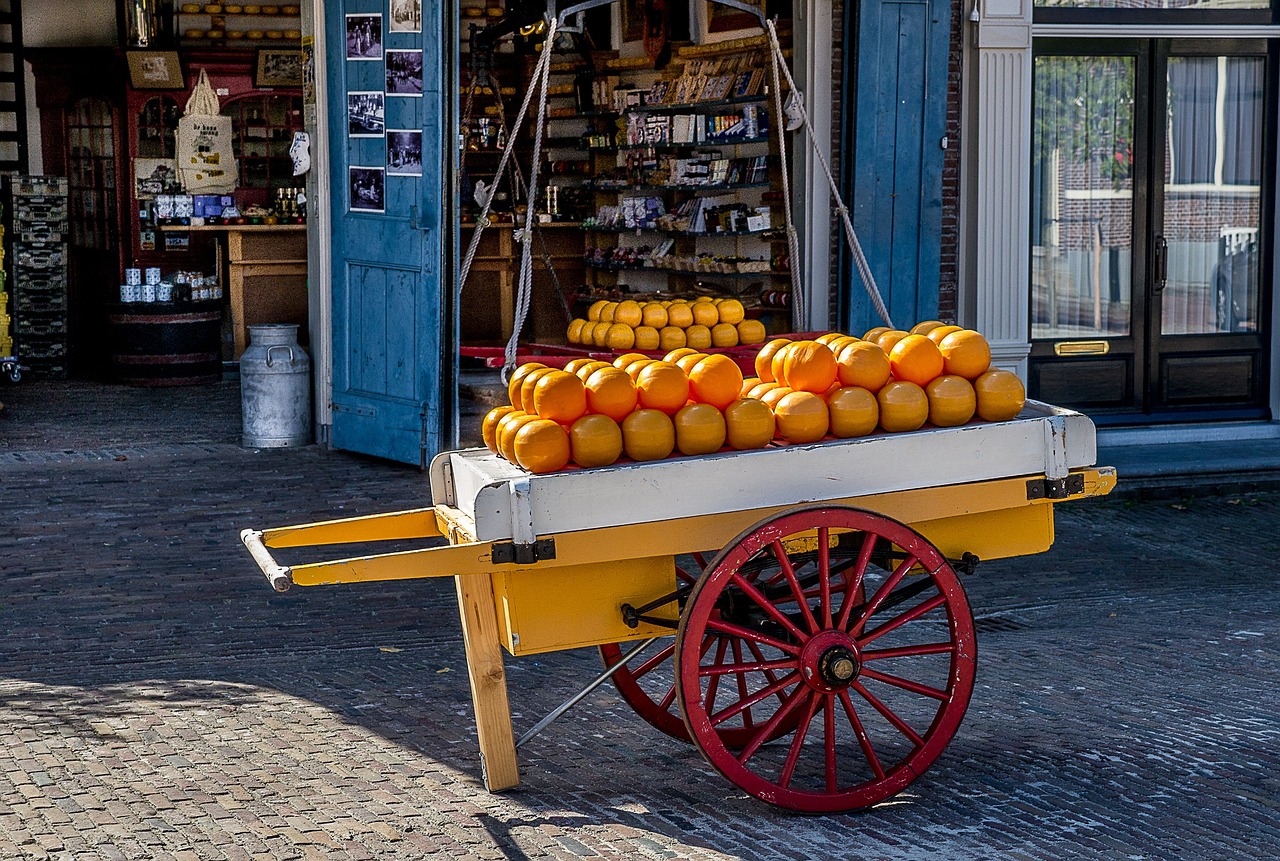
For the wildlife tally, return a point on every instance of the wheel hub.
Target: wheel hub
(838, 666)
(830, 661)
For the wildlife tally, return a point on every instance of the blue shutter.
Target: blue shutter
(897, 158)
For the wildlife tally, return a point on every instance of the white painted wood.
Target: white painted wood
(1000, 132)
(319, 227)
(812, 204)
(630, 493)
(1158, 31)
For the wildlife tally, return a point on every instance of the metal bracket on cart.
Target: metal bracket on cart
(523, 554)
(1056, 488)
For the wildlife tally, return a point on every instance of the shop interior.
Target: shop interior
(659, 178)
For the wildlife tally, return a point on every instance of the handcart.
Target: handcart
(794, 612)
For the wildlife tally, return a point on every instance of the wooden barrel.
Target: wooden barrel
(159, 345)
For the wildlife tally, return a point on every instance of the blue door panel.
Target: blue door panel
(896, 157)
(388, 327)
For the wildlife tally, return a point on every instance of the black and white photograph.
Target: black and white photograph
(366, 114)
(406, 16)
(364, 37)
(368, 189)
(404, 73)
(404, 152)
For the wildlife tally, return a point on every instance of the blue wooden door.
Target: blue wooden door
(897, 156)
(386, 139)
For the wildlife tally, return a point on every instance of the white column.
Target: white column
(319, 226)
(997, 139)
(811, 194)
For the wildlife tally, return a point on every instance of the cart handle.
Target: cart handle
(280, 576)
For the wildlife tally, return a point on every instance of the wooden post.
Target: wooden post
(488, 681)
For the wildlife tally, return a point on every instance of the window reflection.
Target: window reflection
(1212, 194)
(1082, 197)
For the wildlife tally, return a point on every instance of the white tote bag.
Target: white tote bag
(206, 160)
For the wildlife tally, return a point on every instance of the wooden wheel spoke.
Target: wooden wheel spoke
(768, 672)
(747, 720)
(760, 666)
(903, 618)
(824, 576)
(890, 715)
(789, 571)
(714, 684)
(854, 583)
(746, 703)
(797, 742)
(864, 740)
(770, 728)
(882, 593)
(769, 608)
(906, 684)
(829, 741)
(655, 661)
(908, 651)
(724, 627)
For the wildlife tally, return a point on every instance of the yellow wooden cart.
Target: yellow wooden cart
(823, 651)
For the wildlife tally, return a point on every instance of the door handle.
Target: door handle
(1161, 263)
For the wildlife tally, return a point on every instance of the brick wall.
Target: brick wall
(835, 236)
(949, 274)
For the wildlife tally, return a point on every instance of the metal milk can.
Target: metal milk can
(275, 388)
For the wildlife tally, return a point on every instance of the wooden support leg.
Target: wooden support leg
(488, 681)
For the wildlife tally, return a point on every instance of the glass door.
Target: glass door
(1148, 282)
(1207, 349)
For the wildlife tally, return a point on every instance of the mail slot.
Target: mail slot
(1082, 348)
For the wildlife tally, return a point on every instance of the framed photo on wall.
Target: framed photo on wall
(156, 70)
(406, 16)
(716, 22)
(278, 67)
(368, 189)
(364, 37)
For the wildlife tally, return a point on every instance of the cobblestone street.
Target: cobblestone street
(159, 701)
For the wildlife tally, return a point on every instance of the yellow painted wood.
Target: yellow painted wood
(992, 534)
(418, 523)
(581, 605)
(488, 682)
(446, 561)
(673, 537)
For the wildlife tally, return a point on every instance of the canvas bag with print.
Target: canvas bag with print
(206, 161)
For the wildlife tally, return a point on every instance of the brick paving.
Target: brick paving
(158, 701)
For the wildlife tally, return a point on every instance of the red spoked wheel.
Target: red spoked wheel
(870, 689)
(648, 685)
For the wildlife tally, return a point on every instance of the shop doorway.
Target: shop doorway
(389, 105)
(1151, 201)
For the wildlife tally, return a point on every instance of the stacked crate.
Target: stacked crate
(38, 210)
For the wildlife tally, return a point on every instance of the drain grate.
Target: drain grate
(997, 623)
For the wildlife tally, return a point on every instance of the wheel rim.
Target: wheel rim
(872, 690)
(648, 682)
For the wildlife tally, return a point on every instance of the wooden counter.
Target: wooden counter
(266, 282)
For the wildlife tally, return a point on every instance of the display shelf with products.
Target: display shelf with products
(239, 26)
(686, 179)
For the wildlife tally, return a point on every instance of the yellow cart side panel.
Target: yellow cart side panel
(992, 534)
(545, 609)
